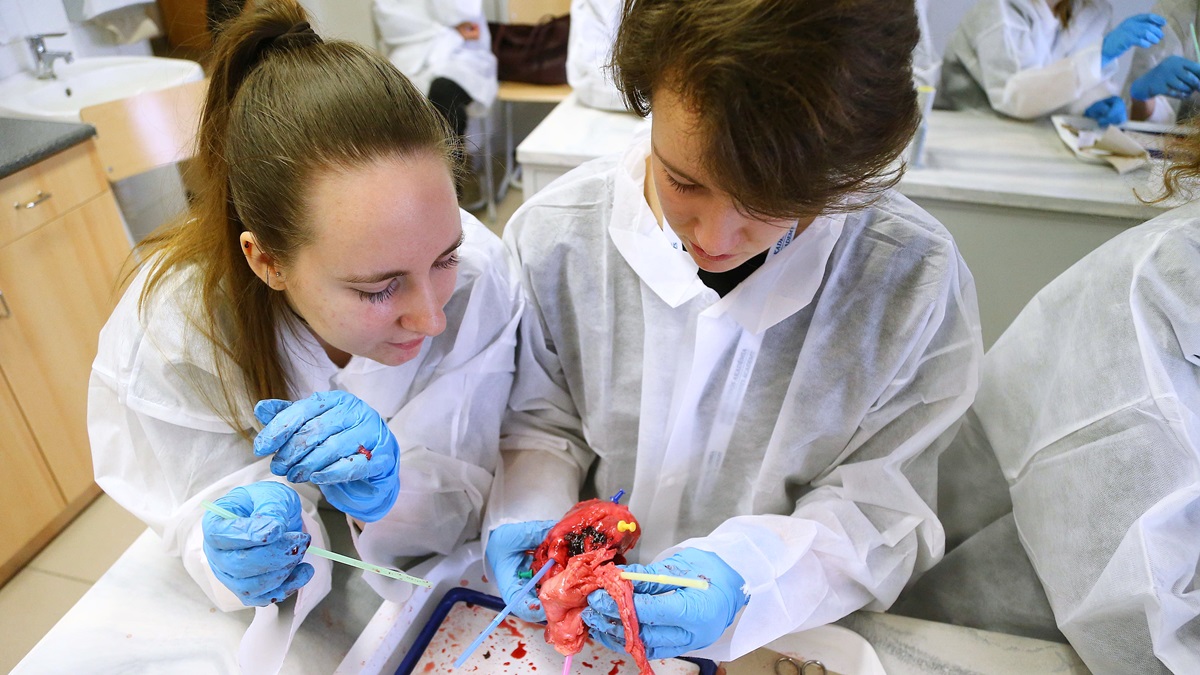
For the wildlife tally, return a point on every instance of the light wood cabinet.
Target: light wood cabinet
(58, 277)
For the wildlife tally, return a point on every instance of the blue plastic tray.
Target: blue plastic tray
(456, 595)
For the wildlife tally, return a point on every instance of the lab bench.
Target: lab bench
(1020, 206)
(146, 615)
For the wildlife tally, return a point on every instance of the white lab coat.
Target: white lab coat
(1013, 57)
(594, 26)
(927, 63)
(419, 38)
(809, 467)
(159, 450)
(1091, 403)
(1181, 15)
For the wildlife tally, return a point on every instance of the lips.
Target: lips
(702, 254)
(410, 345)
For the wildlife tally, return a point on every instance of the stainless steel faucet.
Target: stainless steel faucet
(43, 59)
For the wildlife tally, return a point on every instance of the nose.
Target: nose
(718, 232)
(424, 315)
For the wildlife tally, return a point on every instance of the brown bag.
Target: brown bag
(533, 53)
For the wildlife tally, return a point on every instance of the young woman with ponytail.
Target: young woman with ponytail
(326, 283)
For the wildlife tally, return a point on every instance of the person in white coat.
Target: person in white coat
(323, 265)
(1163, 80)
(1031, 58)
(739, 322)
(589, 49)
(1090, 407)
(445, 48)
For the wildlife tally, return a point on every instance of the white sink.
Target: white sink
(88, 81)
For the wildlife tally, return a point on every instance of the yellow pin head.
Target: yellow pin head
(623, 526)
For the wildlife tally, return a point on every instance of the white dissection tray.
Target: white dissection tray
(395, 627)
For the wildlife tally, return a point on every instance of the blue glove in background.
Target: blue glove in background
(507, 554)
(317, 439)
(1107, 111)
(258, 555)
(1139, 30)
(672, 623)
(1176, 77)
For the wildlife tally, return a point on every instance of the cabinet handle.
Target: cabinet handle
(37, 199)
(4, 306)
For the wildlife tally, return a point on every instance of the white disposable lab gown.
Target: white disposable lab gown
(159, 449)
(927, 63)
(1091, 403)
(1181, 15)
(1014, 57)
(594, 26)
(791, 427)
(420, 38)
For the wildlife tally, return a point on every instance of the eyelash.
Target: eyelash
(680, 187)
(381, 296)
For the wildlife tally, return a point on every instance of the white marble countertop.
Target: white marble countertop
(969, 157)
(145, 615)
(984, 159)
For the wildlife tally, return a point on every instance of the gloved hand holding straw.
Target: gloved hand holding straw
(673, 620)
(258, 555)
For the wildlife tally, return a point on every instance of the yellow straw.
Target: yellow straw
(664, 579)
(336, 557)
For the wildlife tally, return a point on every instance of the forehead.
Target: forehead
(394, 211)
(676, 131)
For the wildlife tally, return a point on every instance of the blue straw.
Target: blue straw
(500, 617)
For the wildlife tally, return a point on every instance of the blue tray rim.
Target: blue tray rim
(470, 595)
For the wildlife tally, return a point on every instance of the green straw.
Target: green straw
(336, 557)
(1195, 42)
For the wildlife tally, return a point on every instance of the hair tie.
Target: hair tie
(262, 41)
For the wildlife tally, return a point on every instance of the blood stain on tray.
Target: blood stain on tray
(518, 649)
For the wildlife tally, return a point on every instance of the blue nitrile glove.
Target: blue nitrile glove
(258, 554)
(673, 620)
(337, 442)
(1139, 30)
(1176, 77)
(508, 554)
(1107, 111)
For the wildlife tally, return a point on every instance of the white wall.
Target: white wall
(20, 18)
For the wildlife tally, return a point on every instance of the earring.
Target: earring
(276, 272)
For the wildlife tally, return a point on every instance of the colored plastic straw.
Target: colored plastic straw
(336, 557)
(500, 617)
(567, 665)
(664, 579)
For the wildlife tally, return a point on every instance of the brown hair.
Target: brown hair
(800, 103)
(281, 105)
(1182, 175)
(1063, 10)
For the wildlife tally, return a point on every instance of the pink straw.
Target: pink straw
(567, 665)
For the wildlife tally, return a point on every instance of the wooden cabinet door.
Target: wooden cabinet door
(59, 283)
(29, 500)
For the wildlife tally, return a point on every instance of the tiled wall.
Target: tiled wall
(19, 18)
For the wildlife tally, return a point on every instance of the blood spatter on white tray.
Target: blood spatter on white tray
(518, 647)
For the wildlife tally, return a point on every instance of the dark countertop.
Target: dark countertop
(24, 143)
